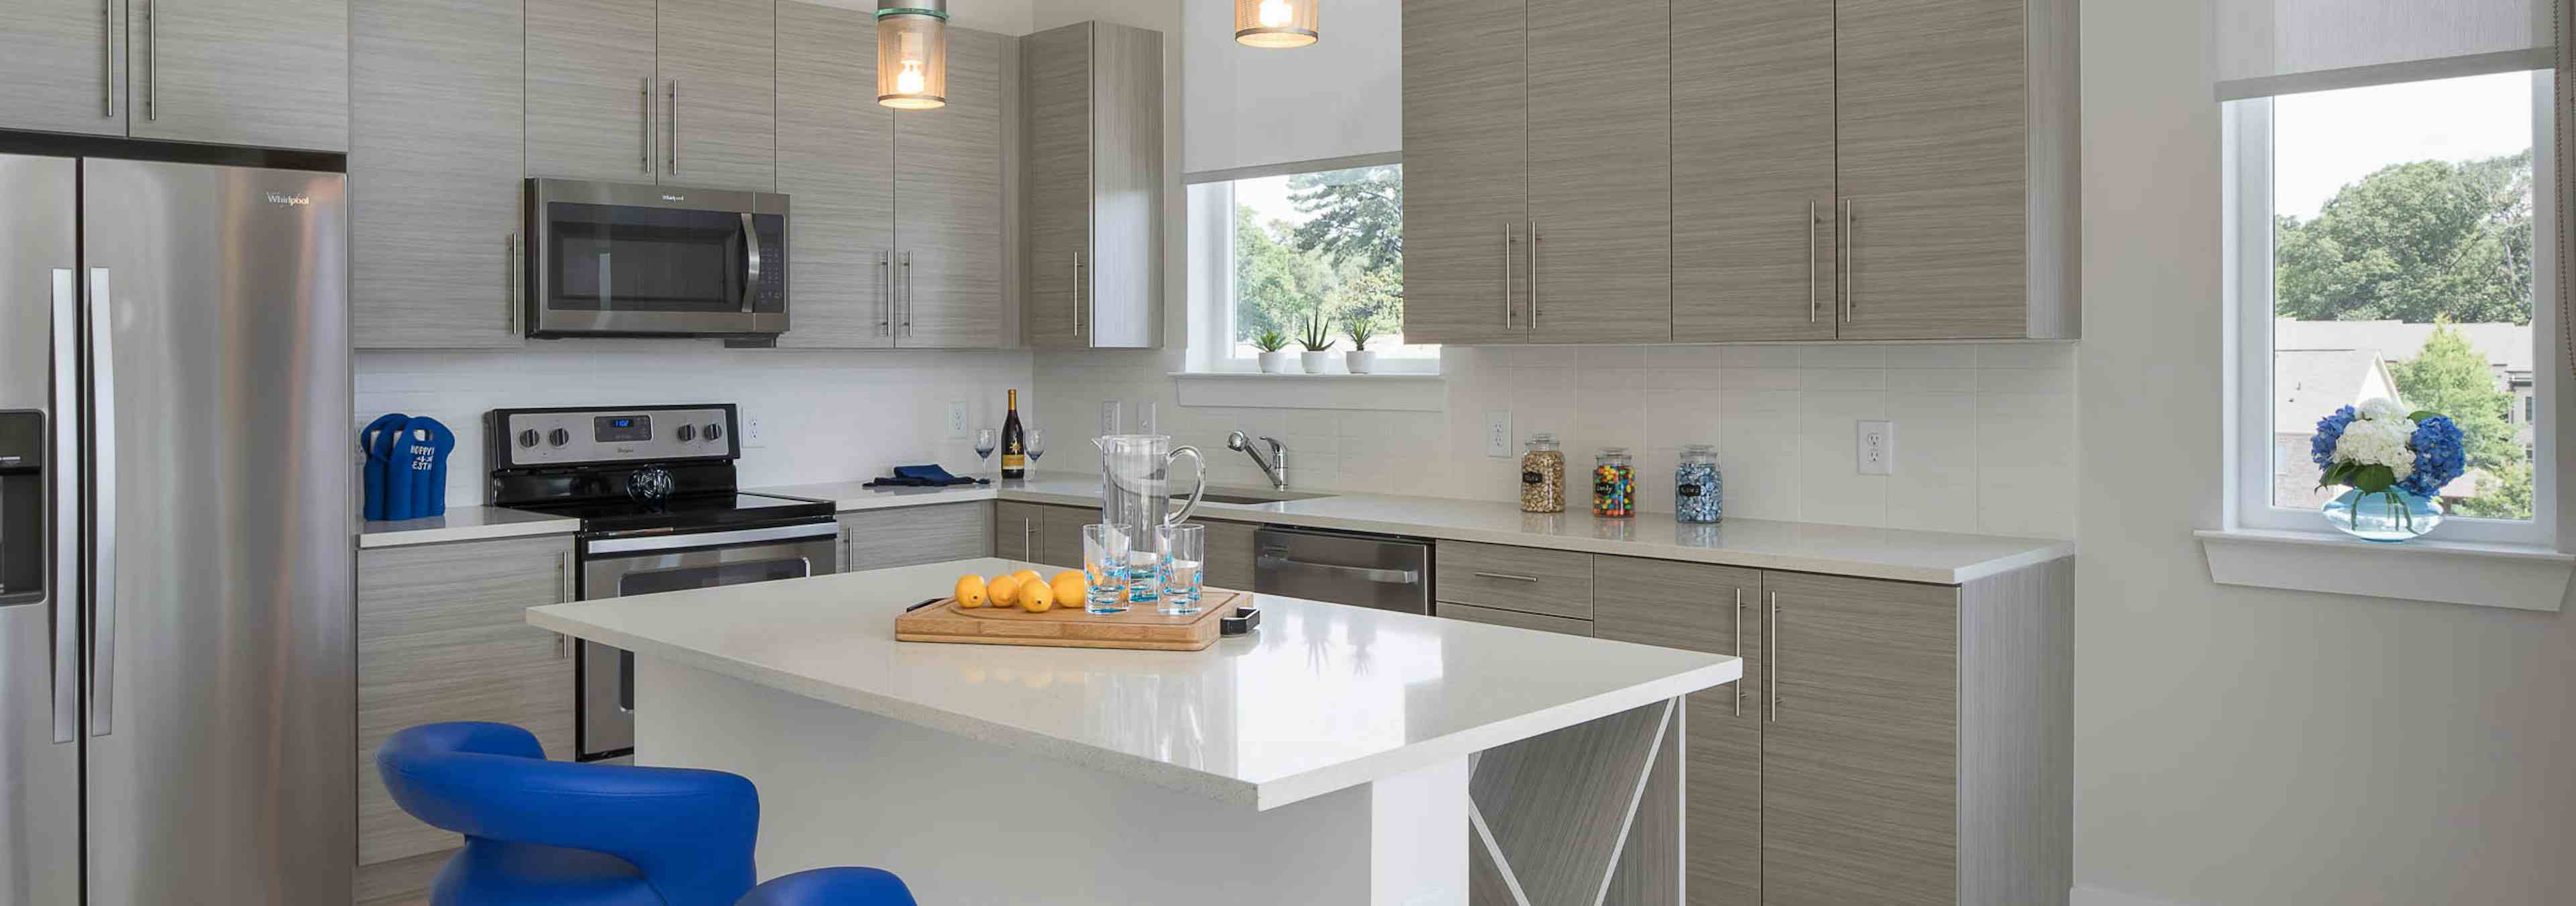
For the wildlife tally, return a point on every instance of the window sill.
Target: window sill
(2476, 573)
(1252, 389)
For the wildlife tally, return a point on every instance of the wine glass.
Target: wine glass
(1035, 445)
(986, 439)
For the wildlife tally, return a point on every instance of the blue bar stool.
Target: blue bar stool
(567, 834)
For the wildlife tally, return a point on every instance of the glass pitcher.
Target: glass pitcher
(1136, 492)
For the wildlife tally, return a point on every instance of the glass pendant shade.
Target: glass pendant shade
(1275, 23)
(912, 54)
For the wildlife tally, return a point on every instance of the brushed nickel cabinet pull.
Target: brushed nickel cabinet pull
(151, 60)
(908, 300)
(1811, 262)
(1851, 245)
(1535, 241)
(567, 593)
(1508, 242)
(1739, 644)
(107, 56)
(1506, 576)
(675, 127)
(644, 127)
(885, 298)
(1078, 288)
(517, 281)
(1771, 657)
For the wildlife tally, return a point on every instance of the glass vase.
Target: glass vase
(2391, 515)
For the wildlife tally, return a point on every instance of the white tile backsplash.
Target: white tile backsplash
(1985, 432)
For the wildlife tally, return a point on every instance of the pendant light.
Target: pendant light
(912, 54)
(1275, 23)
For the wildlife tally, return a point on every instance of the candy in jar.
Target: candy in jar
(1542, 476)
(1697, 488)
(1614, 483)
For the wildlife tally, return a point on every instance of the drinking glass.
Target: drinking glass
(1035, 444)
(986, 440)
(1104, 562)
(1184, 552)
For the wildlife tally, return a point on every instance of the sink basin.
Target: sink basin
(1255, 495)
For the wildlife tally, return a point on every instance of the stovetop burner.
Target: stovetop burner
(691, 512)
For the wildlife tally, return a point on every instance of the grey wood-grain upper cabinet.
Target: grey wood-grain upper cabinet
(269, 73)
(1956, 160)
(678, 92)
(1753, 171)
(1716, 609)
(1092, 102)
(1600, 173)
(590, 90)
(1859, 754)
(1466, 171)
(437, 123)
(64, 63)
(950, 248)
(835, 154)
(904, 536)
(719, 68)
(441, 637)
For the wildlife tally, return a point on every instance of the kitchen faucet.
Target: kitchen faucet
(1275, 466)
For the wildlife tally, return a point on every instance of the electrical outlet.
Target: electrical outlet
(1877, 453)
(956, 419)
(1498, 433)
(752, 436)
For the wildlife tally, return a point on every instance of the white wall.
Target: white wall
(1339, 97)
(828, 416)
(2246, 746)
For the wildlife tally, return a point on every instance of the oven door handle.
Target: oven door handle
(714, 539)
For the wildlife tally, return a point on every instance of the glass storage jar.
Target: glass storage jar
(1614, 483)
(1542, 475)
(1697, 488)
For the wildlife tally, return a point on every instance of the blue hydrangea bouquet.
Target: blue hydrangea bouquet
(2396, 461)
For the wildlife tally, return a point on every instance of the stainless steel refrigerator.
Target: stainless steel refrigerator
(176, 623)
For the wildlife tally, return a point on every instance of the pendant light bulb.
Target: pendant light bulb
(1275, 23)
(912, 54)
(910, 80)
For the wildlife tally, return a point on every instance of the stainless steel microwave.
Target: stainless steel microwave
(625, 260)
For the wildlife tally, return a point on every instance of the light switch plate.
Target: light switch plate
(1877, 450)
(1498, 433)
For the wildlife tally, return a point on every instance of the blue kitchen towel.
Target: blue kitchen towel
(427, 443)
(375, 441)
(920, 477)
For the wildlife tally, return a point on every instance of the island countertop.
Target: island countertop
(1322, 697)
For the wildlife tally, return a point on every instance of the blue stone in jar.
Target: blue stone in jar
(1698, 490)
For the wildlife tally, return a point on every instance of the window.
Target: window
(2382, 245)
(1289, 253)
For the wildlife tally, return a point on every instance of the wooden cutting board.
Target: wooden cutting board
(1139, 628)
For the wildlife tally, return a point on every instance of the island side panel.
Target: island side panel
(966, 822)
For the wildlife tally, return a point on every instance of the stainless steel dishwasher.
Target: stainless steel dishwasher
(1381, 571)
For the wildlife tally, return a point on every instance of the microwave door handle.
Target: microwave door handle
(750, 263)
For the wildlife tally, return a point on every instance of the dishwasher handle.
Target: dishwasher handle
(1277, 558)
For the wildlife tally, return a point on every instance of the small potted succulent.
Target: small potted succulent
(1360, 327)
(1316, 334)
(1270, 341)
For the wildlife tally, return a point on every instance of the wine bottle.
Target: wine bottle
(1015, 459)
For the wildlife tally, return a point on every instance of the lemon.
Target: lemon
(1027, 576)
(1068, 587)
(1036, 597)
(970, 590)
(1003, 591)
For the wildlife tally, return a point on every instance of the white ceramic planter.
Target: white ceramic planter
(1274, 362)
(1315, 362)
(1360, 361)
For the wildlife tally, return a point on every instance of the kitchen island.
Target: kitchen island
(1338, 755)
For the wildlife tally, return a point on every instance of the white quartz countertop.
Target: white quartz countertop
(1872, 553)
(1320, 698)
(464, 523)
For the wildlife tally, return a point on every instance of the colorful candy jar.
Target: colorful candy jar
(1697, 488)
(1614, 483)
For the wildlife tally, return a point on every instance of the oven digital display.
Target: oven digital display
(609, 429)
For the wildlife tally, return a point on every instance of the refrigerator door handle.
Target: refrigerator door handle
(102, 395)
(65, 587)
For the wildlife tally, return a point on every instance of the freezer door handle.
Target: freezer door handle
(65, 425)
(102, 394)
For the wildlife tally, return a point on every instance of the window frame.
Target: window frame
(2247, 161)
(1209, 211)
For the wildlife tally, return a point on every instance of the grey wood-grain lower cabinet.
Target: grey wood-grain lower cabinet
(1060, 536)
(438, 91)
(1516, 619)
(442, 636)
(1715, 609)
(1015, 529)
(1230, 553)
(904, 536)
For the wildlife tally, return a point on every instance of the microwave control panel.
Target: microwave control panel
(530, 438)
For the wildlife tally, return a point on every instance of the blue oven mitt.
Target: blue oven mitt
(427, 443)
(376, 442)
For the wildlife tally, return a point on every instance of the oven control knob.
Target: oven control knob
(714, 431)
(528, 438)
(688, 433)
(649, 485)
(560, 437)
